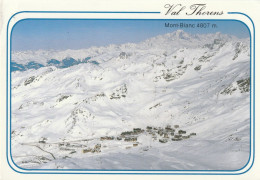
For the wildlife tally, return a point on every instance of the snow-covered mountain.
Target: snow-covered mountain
(175, 101)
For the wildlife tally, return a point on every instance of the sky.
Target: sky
(35, 34)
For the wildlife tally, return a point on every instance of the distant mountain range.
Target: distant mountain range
(24, 60)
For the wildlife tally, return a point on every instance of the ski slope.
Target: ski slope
(73, 117)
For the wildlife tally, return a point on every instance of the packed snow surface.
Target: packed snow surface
(173, 102)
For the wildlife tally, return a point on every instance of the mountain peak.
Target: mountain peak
(180, 33)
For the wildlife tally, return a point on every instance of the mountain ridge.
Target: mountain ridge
(161, 42)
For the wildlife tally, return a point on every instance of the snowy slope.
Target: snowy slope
(198, 82)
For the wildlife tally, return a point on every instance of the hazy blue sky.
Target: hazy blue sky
(76, 34)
